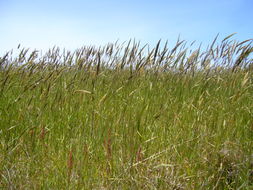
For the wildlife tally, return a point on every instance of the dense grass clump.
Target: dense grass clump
(126, 117)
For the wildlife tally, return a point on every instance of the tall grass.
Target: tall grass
(128, 117)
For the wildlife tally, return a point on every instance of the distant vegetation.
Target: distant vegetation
(125, 116)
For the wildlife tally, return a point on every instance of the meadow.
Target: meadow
(126, 116)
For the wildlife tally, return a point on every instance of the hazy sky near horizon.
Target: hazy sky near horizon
(42, 24)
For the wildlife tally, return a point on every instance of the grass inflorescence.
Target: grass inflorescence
(124, 116)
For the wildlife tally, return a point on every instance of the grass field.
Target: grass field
(127, 117)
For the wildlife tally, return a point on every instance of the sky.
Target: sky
(71, 24)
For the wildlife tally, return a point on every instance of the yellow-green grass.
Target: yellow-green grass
(102, 119)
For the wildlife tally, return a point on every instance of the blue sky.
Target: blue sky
(42, 24)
